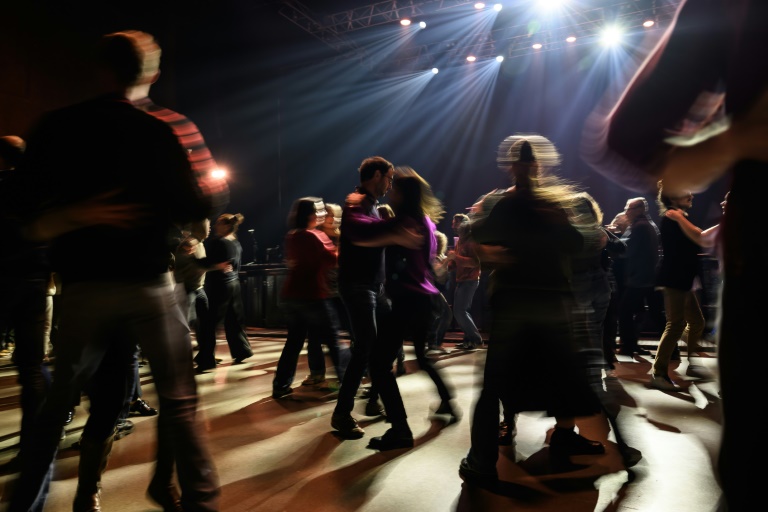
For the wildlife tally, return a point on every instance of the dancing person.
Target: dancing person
(305, 295)
(410, 286)
(695, 113)
(466, 266)
(677, 272)
(639, 267)
(225, 300)
(114, 302)
(529, 241)
(361, 282)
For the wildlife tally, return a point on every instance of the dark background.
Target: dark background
(288, 115)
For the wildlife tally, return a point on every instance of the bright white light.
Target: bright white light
(570, 39)
(423, 24)
(500, 58)
(611, 36)
(497, 7)
(219, 174)
(405, 22)
(550, 4)
(536, 46)
(435, 71)
(648, 23)
(480, 5)
(471, 58)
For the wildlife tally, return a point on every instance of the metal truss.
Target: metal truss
(510, 41)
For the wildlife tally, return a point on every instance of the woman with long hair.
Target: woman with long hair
(410, 286)
(526, 236)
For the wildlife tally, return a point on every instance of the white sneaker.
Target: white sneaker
(663, 383)
(699, 372)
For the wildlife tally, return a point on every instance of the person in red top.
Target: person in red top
(466, 264)
(306, 296)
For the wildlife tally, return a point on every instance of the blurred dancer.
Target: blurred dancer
(113, 302)
(697, 111)
(529, 241)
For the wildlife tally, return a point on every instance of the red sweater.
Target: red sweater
(310, 254)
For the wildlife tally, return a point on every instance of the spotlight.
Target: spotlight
(536, 46)
(497, 7)
(405, 22)
(435, 71)
(479, 5)
(423, 24)
(648, 23)
(471, 58)
(500, 58)
(570, 39)
(219, 174)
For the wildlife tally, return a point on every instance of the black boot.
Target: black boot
(93, 462)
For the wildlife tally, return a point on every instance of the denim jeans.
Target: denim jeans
(313, 319)
(367, 307)
(441, 311)
(97, 317)
(462, 302)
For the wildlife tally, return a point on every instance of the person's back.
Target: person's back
(111, 214)
(129, 157)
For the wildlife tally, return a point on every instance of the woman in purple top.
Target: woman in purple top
(410, 286)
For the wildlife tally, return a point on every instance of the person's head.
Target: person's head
(200, 230)
(227, 224)
(411, 195)
(131, 59)
(332, 223)
(682, 200)
(385, 211)
(376, 175)
(442, 243)
(11, 150)
(306, 213)
(458, 220)
(635, 207)
(527, 157)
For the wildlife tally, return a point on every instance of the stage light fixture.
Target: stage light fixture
(500, 58)
(423, 24)
(435, 71)
(536, 46)
(497, 7)
(479, 5)
(570, 39)
(405, 22)
(648, 23)
(471, 58)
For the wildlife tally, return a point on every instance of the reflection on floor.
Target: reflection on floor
(275, 455)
